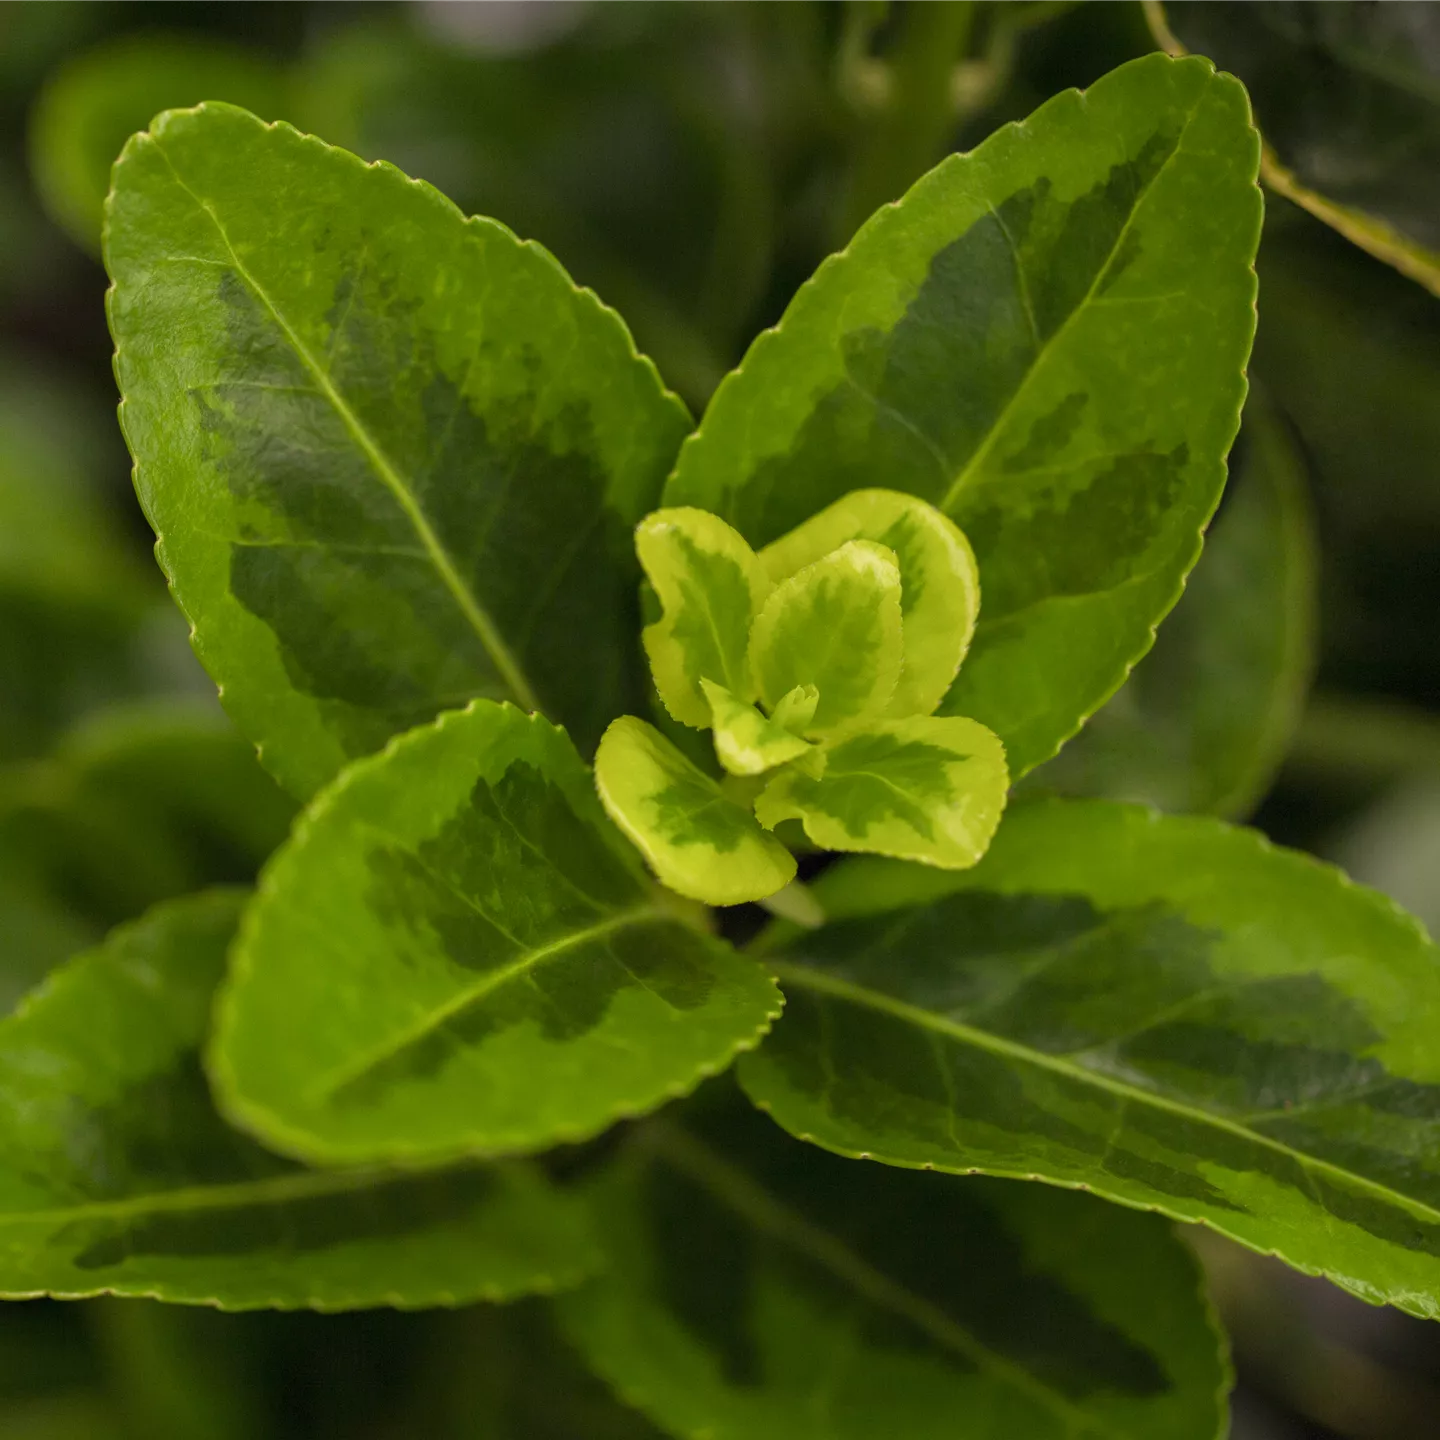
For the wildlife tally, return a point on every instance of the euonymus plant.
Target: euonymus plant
(476, 587)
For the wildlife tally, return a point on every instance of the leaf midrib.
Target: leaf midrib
(750, 1199)
(816, 980)
(475, 614)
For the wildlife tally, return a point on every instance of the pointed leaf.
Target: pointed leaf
(835, 625)
(746, 741)
(940, 586)
(710, 586)
(117, 1175)
(759, 1293)
(697, 840)
(1046, 339)
(796, 708)
(393, 462)
(1167, 1011)
(930, 789)
(485, 969)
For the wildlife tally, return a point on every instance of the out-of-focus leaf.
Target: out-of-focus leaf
(486, 969)
(1347, 95)
(1046, 339)
(117, 1175)
(92, 104)
(757, 1292)
(1165, 1010)
(393, 461)
(1204, 720)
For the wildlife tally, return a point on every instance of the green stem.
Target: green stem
(919, 115)
(1364, 741)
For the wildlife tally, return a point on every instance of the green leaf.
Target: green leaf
(749, 743)
(710, 586)
(699, 842)
(940, 586)
(835, 624)
(1167, 1011)
(393, 461)
(1046, 339)
(94, 102)
(796, 708)
(1204, 721)
(485, 969)
(116, 1175)
(1347, 98)
(757, 1292)
(930, 789)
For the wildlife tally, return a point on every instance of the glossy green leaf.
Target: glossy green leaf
(1348, 97)
(116, 1174)
(747, 742)
(930, 789)
(698, 841)
(710, 586)
(1046, 339)
(940, 586)
(94, 102)
(836, 625)
(1204, 721)
(1167, 1011)
(393, 462)
(759, 1292)
(484, 967)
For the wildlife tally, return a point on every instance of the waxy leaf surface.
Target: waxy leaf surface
(117, 1175)
(755, 1292)
(1205, 719)
(393, 462)
(940, 586)
(699, 841)
(1045, 339)
(1167, 1011)
(710, 585)
(834, 625)
(931, 789)
(748, 742)
(457, 953)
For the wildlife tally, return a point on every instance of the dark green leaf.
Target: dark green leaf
(1347, 95)
(1167, 1011)
(96, 100)
(393, 462)
(457, 953)
(1046, 339)
(1206, 717)
(116, 1174)
(757, 1292)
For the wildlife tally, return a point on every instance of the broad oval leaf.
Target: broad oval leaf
(940, 586)
(757, 1292)
(1168, 1011)
(748, 742)
(117, 1175)
(930, 789)
(1204, 720)
(1046, 339)
(699, 841)
(1348, 97)
(393, 463)
(457, 953)
(834, 625)
(710, 586)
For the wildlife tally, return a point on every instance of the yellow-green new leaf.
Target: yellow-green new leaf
(835, 624)
(456, 953)
(748, 742)
(697, 840)
(930, 789)
(710, 585)
(117, 1175)
(940, 585)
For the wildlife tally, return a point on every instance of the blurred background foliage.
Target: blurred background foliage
(693, 164)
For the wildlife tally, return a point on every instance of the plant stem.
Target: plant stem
(919, 110)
